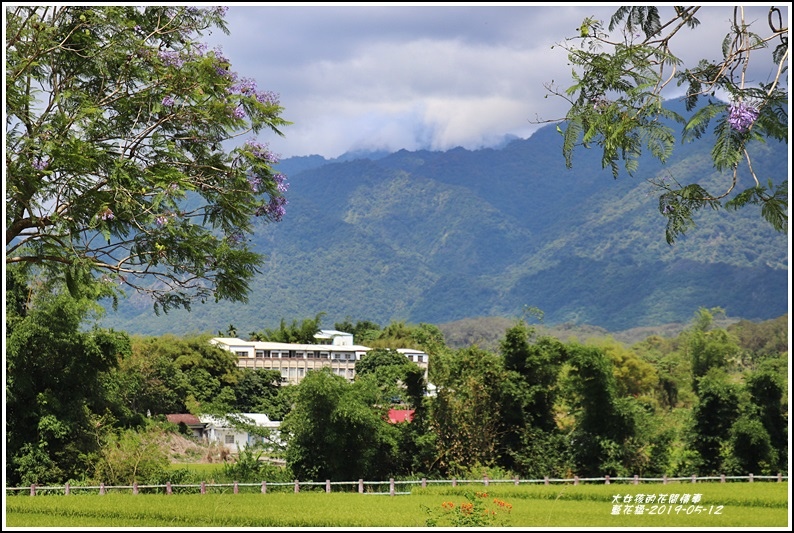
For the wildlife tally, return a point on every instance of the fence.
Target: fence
(392, 484)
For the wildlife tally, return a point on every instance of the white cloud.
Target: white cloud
(420, 76)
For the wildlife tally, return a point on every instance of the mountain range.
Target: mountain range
(435, 237)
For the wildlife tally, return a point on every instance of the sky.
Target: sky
(391, 76)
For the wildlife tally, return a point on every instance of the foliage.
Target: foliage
(467, 414)
(249, 468)
(302, 333)
(173, 372)
(119, 164)
(709, 348)
(363, 331)
(130, 456)
(257, 390)
(717, 409)
(52, 424)
(620, 73)
(331, 416)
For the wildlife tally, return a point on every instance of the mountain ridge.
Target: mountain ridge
(436, 237)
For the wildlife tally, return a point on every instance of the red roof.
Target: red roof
(400, 415)
(187, 419)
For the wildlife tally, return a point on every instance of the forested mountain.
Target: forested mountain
(441, 236)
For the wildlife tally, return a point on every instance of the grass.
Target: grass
(723, 505)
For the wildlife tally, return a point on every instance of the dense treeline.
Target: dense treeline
(84, 403)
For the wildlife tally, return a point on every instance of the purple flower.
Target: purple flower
(107, 214)
(221, 10)
(170, 58)
(281, 182)
(741, 116)
(161, 220)
(267, 98)
(238, 112)
(261, 151)
(255, 182)
(274, 209)
(168, 101)
(40, 164)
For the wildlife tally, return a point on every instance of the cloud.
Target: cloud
(419, 76)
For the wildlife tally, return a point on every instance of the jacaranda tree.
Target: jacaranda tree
(132, 154)
(616, 103)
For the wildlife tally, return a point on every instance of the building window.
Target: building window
(260, 353)
(241, 354)
(228, 439)
(300, 372)
(419, 358)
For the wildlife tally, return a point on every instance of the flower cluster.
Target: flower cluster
(171, 58)
(274, 209)
(40, 164)
(106, 214)
(281, 182)
(261, 151)
(168, 101)
(741, 116)
(473, 512)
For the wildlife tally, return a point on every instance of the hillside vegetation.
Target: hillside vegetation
(439, 237)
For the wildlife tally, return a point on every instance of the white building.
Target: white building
(293, 361)
(235, 437)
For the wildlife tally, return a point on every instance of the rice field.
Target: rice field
(682, 505)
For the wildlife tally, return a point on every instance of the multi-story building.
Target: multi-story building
(335, 350)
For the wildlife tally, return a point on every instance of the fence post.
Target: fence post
(575, 480)
(606, 479)
(135, 487)
(516, 480)
(101, 488)
(327, 486)
(264, 487)
(33, 489)
(636, 479)
(454, 482)
(66, 489)
(297, 487)
(779, 477)
(751, 478)
(722, 478)
(391, 486)
(424, 482)
(664, 479)
(203, 488)
(545, 480)
(168, 487)
(694, 478)
(485, 480)
(361, 486)
(236, 489)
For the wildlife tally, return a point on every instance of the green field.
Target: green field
(721, 505)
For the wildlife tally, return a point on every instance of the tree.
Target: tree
(302, 333)
(467, 414)
(335, 431)
(717, 409)
(121, 157)
(616, 103)
(56, 405)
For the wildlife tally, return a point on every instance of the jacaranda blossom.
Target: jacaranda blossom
(741, 116)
